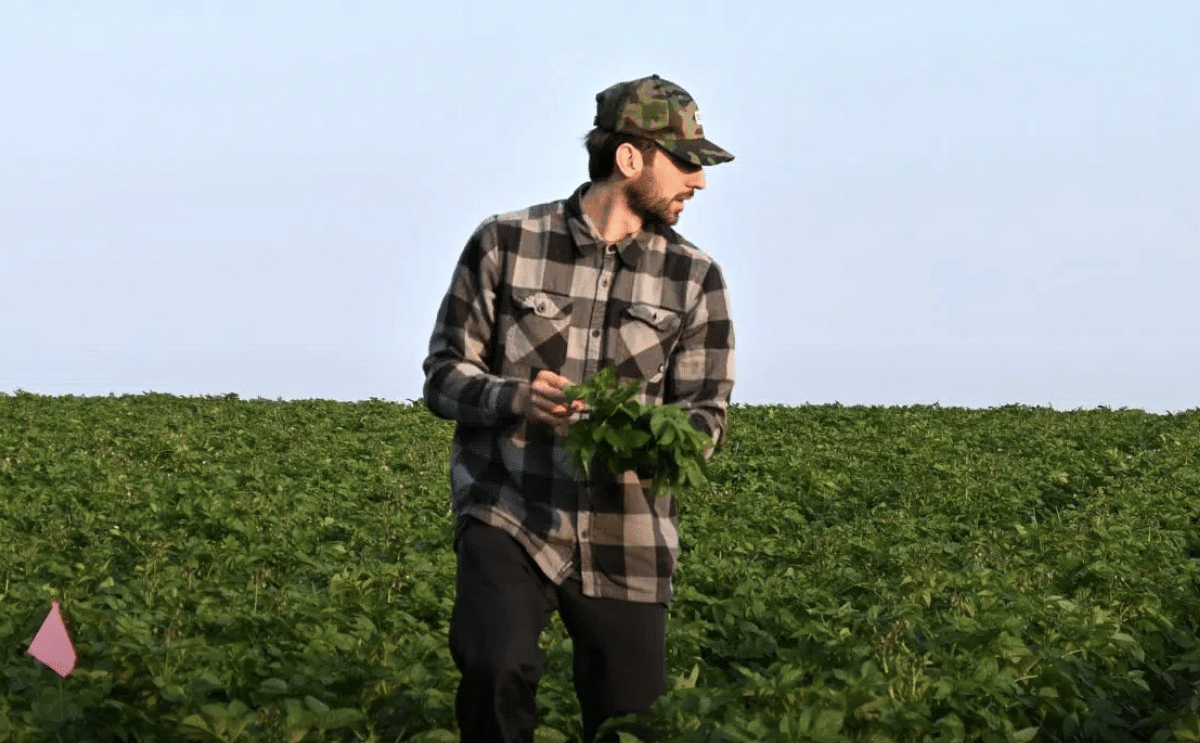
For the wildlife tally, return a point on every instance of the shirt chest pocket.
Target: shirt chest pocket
(647, 336)
(537, 337)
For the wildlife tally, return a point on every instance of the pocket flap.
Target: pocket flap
(663, 320)
(541, 303)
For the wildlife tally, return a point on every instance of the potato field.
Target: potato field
(255, 570)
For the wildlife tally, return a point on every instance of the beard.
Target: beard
(647, 203)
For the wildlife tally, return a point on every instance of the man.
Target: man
(540, 299)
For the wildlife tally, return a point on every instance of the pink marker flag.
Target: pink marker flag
(52, 645)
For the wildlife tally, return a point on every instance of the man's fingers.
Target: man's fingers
(552, 380)
(551, 402)
(547, 398)
(557, 379)
(550, 386)
(560, 423)
(554, 397)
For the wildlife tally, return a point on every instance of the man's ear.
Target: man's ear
(629, 160)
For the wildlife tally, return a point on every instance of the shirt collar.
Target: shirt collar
(587, 238)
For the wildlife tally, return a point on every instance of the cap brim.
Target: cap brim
(696, 151)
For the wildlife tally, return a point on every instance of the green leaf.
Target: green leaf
(614, 438)
(827, 725)
(196, 721)
(341, 717)
(637, 439)
(316, 705)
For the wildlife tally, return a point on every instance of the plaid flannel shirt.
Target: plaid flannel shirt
(539, 289)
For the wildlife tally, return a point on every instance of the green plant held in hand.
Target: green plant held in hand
(658, 442)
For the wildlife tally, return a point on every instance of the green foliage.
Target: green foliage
(266, 571)
(229, 569)
(658, 442)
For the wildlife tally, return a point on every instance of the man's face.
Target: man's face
(657, 194)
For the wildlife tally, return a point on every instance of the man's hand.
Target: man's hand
(547, 403)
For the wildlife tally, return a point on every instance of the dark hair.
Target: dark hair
(602, 151)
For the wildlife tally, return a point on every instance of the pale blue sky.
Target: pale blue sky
(967, 203)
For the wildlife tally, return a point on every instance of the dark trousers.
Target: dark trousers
(503, 603)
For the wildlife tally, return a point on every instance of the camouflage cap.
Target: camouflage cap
(660, 110)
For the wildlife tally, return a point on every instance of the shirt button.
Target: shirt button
(604, 283)
(612, 249)
(595, 333)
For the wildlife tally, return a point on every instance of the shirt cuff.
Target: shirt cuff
(515, 398)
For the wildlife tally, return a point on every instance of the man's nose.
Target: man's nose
(696, 180)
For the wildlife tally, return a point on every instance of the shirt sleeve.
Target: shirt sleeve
(702, 364)
(459, 385)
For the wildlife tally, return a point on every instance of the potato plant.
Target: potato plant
(658, 442)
